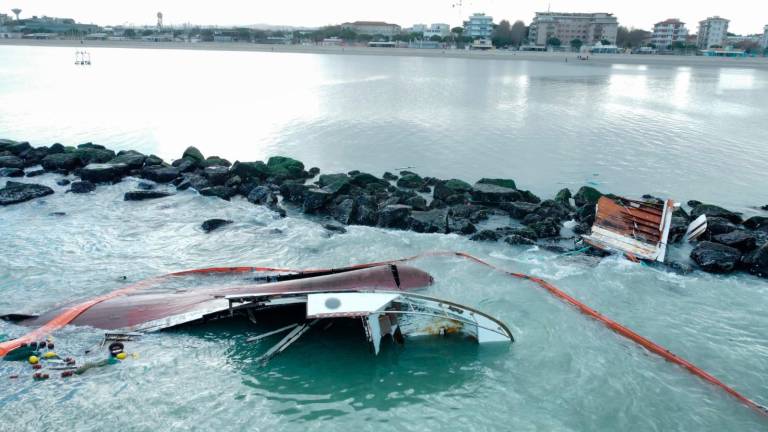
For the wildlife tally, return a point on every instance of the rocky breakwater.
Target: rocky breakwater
(490, 210)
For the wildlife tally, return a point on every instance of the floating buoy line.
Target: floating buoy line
(7, 347)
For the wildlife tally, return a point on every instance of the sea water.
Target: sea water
(684, 133)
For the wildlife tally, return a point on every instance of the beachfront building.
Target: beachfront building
(372, 28)
(479, 26)
(667, 32)
(589, 28)
(4, 18)
(441, 30)
(418, 28)
(764, 43)
(712, 32)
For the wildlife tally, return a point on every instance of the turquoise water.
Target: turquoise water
(564, 372)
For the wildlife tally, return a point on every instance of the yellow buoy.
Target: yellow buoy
(49, 354)
(33, 360)
(121, 356)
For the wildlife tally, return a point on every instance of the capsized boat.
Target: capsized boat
(378, 296)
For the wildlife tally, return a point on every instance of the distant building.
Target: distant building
(712, 32)
(372, 28)
(764, 43)
(479, 25)
(732, 40)
(590, 28)
(4, 18)
(441, 30)
(418, 28)
(667, 32)
(482, 44)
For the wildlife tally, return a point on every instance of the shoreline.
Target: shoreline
(491, 210)
(499, 55)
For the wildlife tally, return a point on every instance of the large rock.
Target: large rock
(587, 195)
(416, 202)
(17, 148)
(215, 161)
(368, 181)
(516, 239)
(365, 211)
(336, 184)
(160, 174)
(718, 225)
(212, 224)
(281, 166)
(193, 153)
(186, 165)
(519, 210)
(33, 156)
(82, 187)
(394, 216)
(446, 189)
(223, 192)
(315, 200)
(757, 223)
(103, 173)
(344, 211)
(546, 228)
(431, 221)
(507, 183)
(141, 195)
(133, 160)
(410, 181)
(61, 161)
(293, 191)
(14, 192)
(460, 225)
(715, 257)
(756, 262)
(489, 193)
(216, 175)
(94, 155)
(563, 196)
(11, 162)
(262, 195)
(250, 170)
(11, 172)
(713, 211)
(740, 240)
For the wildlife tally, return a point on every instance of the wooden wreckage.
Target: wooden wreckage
(380, 298)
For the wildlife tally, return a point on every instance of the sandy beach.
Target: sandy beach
(600, 59)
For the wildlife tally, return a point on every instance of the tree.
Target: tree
(147, 32)
(243, 34)
(457, 30)
(206, 35)
(129, 33)
(576, 44)
(436, 38)
(553, 41)
(749, 47)
(518, 33)
(677, 45)
(502, 34)
(631, 38)
(348, 34)
(605, 42)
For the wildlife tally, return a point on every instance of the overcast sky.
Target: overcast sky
(747, 16)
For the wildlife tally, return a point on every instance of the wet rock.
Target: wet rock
(59, 214)
(365, 211)
(145, 185)
(587, 195)
(389, 176)
(677, 229)
(196, 182)
(14, 192)
(486, 235)
(212, 224)
(369, 181)
(248, 171)
(715, 257)
(35, 173)
(424, 189)
(61, 161)
(103, 173)
(313, 171)
(193, 153)
(293, 191)
(186, 165)
(394, 216)
(582, 228)
(90, 145)
(63, 182)
(740, 240)
(431, 221)
(285, 167)
(11, 162)
(529, 196)
(153, 160)
(17, 148)
(216, 175)
(718, 225)
(89, 155)
(344, 211)
(444, 190)
(679, 267)
(757, 223)
(550, 209)
(141, 195)
(713, 211)
(563, 197)
(234, 182)
(410, 181)
(215, 161)
(585, 214)
(262, 195)
(506, 183)
(223, 192)
(418, 203)
(132, 160)
(56, 148)
(335, 184)
(518, 210)
(160, 174)
(81, 187)
(183, 185)
(549, 227)
(756, 262)
(490, 194)
(11, 172)
(515, 239)
(34, 156)
(460, 225)
(315, 200)
(334, 228)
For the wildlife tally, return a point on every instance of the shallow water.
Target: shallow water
(564, 372)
